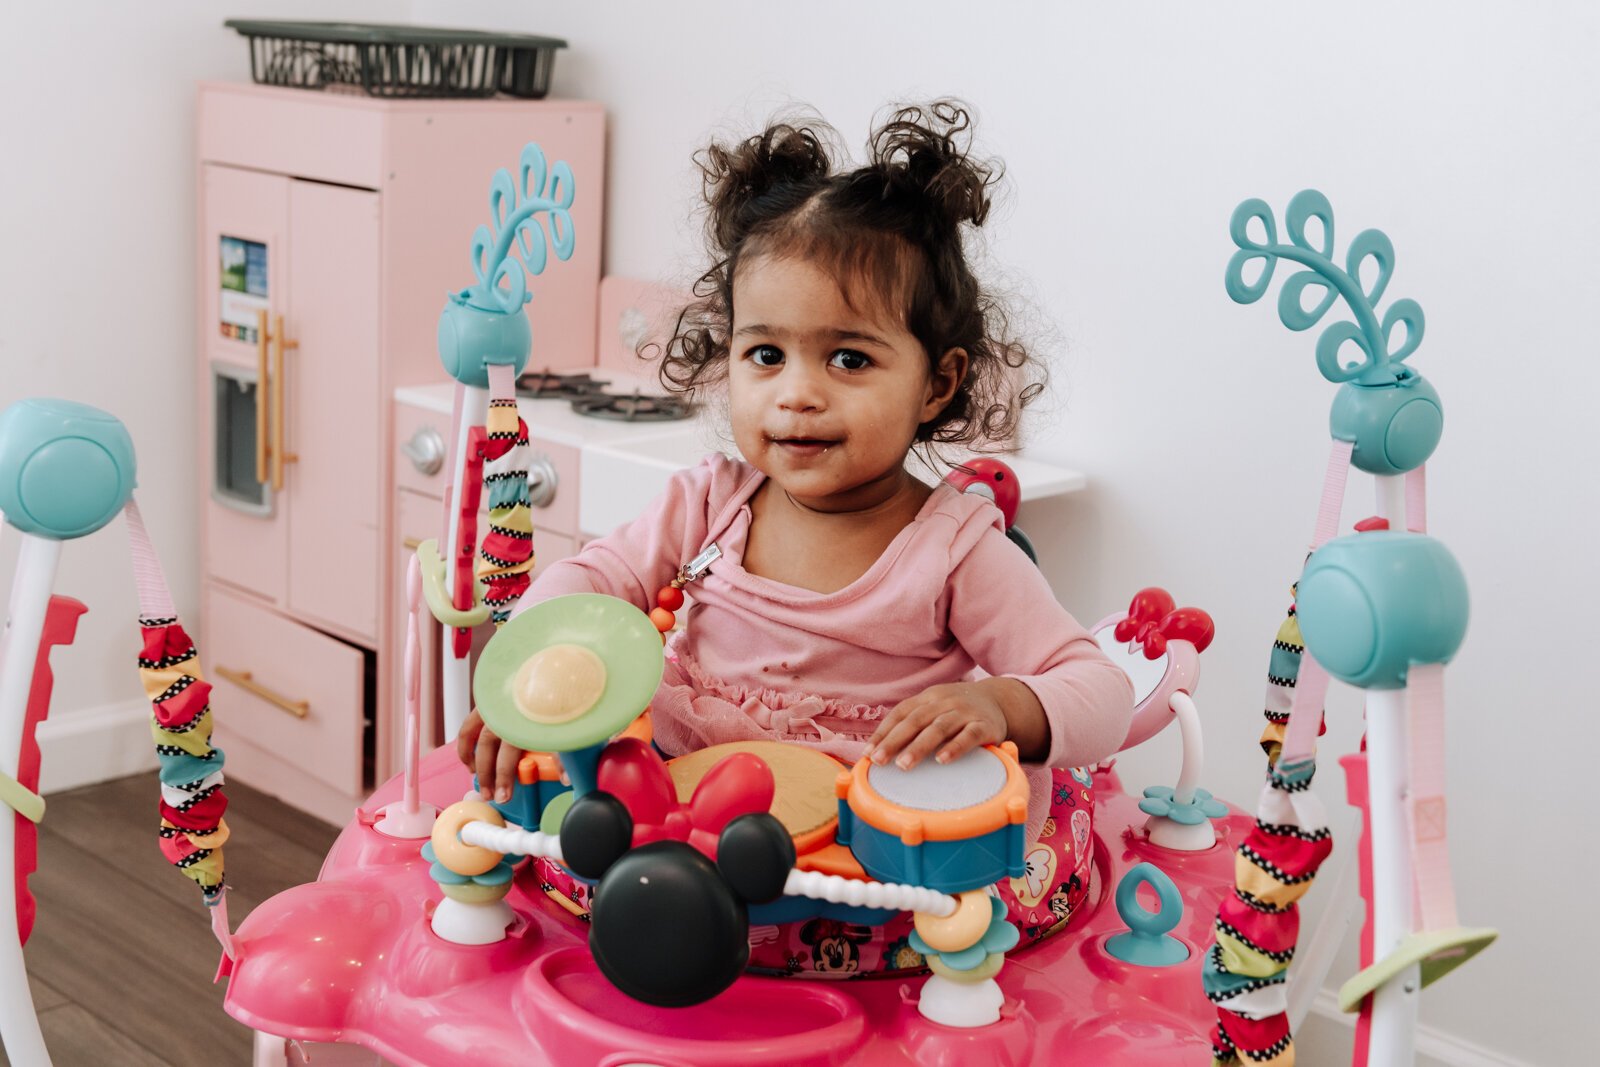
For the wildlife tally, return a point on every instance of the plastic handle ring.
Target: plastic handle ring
(1169, 910)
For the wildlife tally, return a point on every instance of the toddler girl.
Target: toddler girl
(853, 608)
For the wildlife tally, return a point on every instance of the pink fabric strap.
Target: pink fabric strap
(1332, 494)
(1305, 714)
(1417, 499)
(1425, 709)
(155, 599)
(1311, 685)
(502, 382)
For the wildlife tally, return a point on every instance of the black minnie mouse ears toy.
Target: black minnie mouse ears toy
(669, 926)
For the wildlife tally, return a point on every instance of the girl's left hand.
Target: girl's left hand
(949, 720)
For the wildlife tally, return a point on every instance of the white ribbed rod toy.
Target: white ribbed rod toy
(837, 890)
(512, 840)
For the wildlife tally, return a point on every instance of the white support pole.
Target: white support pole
(37, 561)
(1395, 1003)
(1391, 493)
(456, 673)
(1194, 752)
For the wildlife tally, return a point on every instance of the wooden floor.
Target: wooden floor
(121, 958)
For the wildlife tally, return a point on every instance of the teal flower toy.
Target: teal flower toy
(1385, 409)
(1162, 800)
(997, 940)
(470, 888)
(483, 324)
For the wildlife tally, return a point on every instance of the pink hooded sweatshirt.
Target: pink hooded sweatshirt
(950, 599)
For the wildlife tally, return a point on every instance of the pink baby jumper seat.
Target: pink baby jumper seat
(354, 957)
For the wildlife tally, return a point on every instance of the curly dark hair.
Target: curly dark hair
(891, 232)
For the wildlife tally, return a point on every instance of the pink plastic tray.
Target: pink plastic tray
(351, 958)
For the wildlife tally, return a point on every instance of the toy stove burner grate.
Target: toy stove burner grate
(546, 384)
(632, 408)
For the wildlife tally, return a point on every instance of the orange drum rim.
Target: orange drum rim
(1008, 807)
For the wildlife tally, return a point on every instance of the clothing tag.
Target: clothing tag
(698, 566)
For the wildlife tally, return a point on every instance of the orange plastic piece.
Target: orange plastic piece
(831, 858)
(546, 766)
(538, 767)
(662, 619)
(1007, 807)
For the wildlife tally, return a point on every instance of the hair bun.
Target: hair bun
(925, 152)
(762, 176)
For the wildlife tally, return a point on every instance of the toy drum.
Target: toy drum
(948, 826)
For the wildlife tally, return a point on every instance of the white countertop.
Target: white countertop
(625, 464)
(554, 420)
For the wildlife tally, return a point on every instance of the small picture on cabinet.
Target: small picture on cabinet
(244, 287)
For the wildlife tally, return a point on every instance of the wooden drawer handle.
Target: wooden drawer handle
(244, 680)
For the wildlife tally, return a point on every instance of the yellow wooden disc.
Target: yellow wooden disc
(959, 930)
(455, 854)
(803, 799)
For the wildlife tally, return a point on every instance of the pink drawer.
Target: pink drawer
(418, 431)
(286, 689)
(325, 136)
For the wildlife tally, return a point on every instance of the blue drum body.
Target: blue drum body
(948, 866)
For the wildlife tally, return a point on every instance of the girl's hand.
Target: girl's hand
(945, 721)
(494, 761)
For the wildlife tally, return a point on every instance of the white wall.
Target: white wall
(97, 300)
(1466, 131)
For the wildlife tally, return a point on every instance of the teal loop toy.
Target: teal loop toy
(1385, 409)
(531, 215)
(66, 469)
(1372, 604)
(1148, 942)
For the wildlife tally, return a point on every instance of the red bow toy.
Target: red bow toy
(1152, 621)
(631, 771)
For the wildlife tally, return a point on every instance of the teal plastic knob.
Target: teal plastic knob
(1395, 427)
(66, 469)
(1372, 604)
(471, 338)
(1148, 942)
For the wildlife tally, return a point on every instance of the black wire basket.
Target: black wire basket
(398, 61)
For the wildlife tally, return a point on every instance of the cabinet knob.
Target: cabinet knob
(541, 481)
(425, 450)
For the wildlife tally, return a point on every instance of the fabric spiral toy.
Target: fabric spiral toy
(192, 830)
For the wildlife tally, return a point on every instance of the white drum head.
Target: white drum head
(934, 786)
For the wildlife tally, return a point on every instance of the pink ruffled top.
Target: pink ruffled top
(950, 599)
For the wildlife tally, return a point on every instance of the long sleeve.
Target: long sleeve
(1004, 614)
(634, 561)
